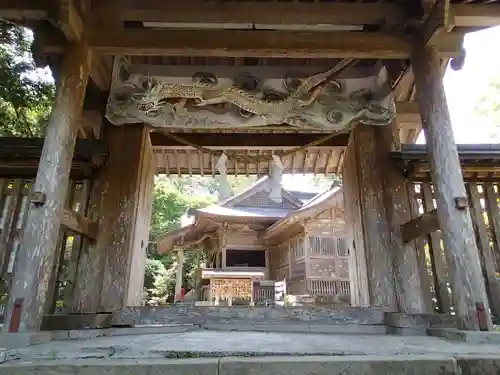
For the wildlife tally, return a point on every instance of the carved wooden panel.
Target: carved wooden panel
(234, 288)
(249, 96)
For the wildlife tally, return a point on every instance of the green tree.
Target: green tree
(26, 92)
(488, 106)
(172, 199)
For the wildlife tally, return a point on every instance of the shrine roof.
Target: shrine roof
(204, 220)
(478, 161)
(332, 198)
(244, 212)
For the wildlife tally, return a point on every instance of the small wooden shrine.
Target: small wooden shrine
(252, 241)
(252, 87)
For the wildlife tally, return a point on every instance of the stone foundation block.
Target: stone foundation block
(408, 320)
(405, 331)
(20, 340)
(472, 337)
(345, 365)
(76, 321)
(356, 329)
(194, 366)
(473, 365)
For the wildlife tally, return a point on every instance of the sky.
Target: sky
(463, 89)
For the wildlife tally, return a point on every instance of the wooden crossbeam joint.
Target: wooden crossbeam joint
(420, 226)
(68, 20)
(438, 22)
(79, 224)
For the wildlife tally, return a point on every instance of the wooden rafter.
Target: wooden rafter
(237, 12)
(253, 43)
(177, 162)
(166, 163)
(329, 161)
(202, 163)
(212, 163)
(316, 162)
(188, 157)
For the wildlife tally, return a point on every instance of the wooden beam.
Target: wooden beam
(79, 224)
(202, 162)
(245, 141)
(90, 123)
(271, 13)
(476, 15)
(69, 20)
(100, 72)
(437, 22)
(329, 161)
(18, 10)
(420, 226)
(408, 113)
(198, 11)
(254, 43)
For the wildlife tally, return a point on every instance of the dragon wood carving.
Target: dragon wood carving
(153, 98)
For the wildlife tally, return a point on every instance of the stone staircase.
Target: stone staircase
(364, 321)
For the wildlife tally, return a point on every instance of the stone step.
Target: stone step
(147, 315)
(292, 365)
(295, 327)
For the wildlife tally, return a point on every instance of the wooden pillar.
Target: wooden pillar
(407, 273)
(36, 257)
(454, 219)
(383, 270)
(224, 263)
(111, 271)
(358, 271)
(178, 274)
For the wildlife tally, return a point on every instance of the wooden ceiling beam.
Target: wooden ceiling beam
(259, 12)
(69, 20)
(254, 43)
(245, 140)
(253, 12)
(251, 43)
(476, 15)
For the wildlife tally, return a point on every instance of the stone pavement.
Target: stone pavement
(204, 343)
(204, 352)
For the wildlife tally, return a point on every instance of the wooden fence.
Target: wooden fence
(14, 205)
(483, 201)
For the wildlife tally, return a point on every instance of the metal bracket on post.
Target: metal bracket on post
(37, 198)
(461, 203)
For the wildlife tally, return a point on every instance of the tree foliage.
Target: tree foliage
(489, 103)
(172, 199)
(26, 92)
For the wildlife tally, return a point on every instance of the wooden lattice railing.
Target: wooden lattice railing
(14, 205)
(483, 202)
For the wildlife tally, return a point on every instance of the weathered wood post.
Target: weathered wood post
(178, 275)
(110, 271)
(453, 214)
(35, 258)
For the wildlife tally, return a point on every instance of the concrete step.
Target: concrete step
(320, 365)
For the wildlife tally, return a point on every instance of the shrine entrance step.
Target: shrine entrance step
(206, 315)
